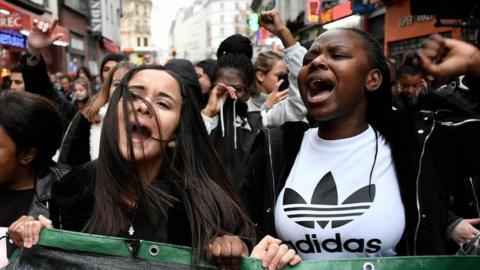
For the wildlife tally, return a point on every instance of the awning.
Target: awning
(110, 45)
(18, 19)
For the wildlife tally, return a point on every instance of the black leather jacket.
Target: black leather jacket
(429, 153)
(43, 192)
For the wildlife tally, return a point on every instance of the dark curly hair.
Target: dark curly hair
(235, 52)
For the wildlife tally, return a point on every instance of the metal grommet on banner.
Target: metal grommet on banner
(368, 266)
(154, 250)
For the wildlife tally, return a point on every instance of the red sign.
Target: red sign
(110, 46)
(313, 11)
(342, 10)
(13, 21)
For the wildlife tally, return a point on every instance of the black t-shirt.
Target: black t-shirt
(14, 204)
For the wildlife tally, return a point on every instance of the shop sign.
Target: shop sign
(313, 11)
(408, 20)
(363, 6)
(110, 46)
(96, 16)
(327, 16)
(13, 38)
(13, 22)
(342, 10)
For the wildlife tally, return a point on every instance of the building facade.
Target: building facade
(309, 18)
(404, 31)
(104, 27)
(225, 18)
(188, 21)
(135, 34)
(74, 16)
(16, 23)
(212, 21)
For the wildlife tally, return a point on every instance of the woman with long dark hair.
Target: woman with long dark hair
(157, 178)
(148, 182)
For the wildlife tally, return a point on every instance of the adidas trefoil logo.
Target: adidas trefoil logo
(324, 207)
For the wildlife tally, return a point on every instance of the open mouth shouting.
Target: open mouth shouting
(140, 132)
(319, 89)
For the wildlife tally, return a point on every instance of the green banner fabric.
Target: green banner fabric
(72, 250)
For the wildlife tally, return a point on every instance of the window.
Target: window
(137, 9)
(222, 19)
(139, 42)
(221, 6)
(145, 42)
(236, 5)
(222, 32)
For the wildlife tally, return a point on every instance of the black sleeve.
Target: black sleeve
(75, 148)
(464, 138)
(73, 198)
(252, 187)
(37, 81)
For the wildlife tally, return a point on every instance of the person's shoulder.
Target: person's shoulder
(78, 183)
(287, 134)
(290, 129)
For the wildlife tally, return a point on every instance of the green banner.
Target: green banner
(72, 250)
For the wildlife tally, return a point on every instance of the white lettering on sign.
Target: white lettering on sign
(408, 20)
(11, 22)
(96, 15)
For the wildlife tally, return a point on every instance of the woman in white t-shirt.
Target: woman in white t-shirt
(360, 180)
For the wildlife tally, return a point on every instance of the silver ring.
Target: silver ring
(154, 250)
(368, 266)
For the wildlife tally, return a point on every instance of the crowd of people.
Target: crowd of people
(326, 153)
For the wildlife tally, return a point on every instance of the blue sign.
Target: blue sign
(13, 38)
(362, 6)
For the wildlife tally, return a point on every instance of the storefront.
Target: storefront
(343, 14)
(404, 32)
(15, 26)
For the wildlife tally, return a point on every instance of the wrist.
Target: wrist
(268, 104)
(286, 37)
(474, 66)
(207, 111)
(35, 51)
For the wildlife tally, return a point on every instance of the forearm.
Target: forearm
(286, 37)
(35, 75)
(474, 67)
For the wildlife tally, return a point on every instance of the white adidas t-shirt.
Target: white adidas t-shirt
(327, 210)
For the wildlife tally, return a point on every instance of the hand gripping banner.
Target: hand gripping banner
(71, 250)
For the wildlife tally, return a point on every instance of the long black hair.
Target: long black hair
(212, 206)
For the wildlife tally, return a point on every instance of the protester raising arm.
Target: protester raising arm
(292, 108)
(446, 57)
(34, 69)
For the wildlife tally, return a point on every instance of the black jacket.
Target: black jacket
(42, 196)
(429, 155)
(73, 200)
(43, 192)
(75, 148)
(37, 81)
